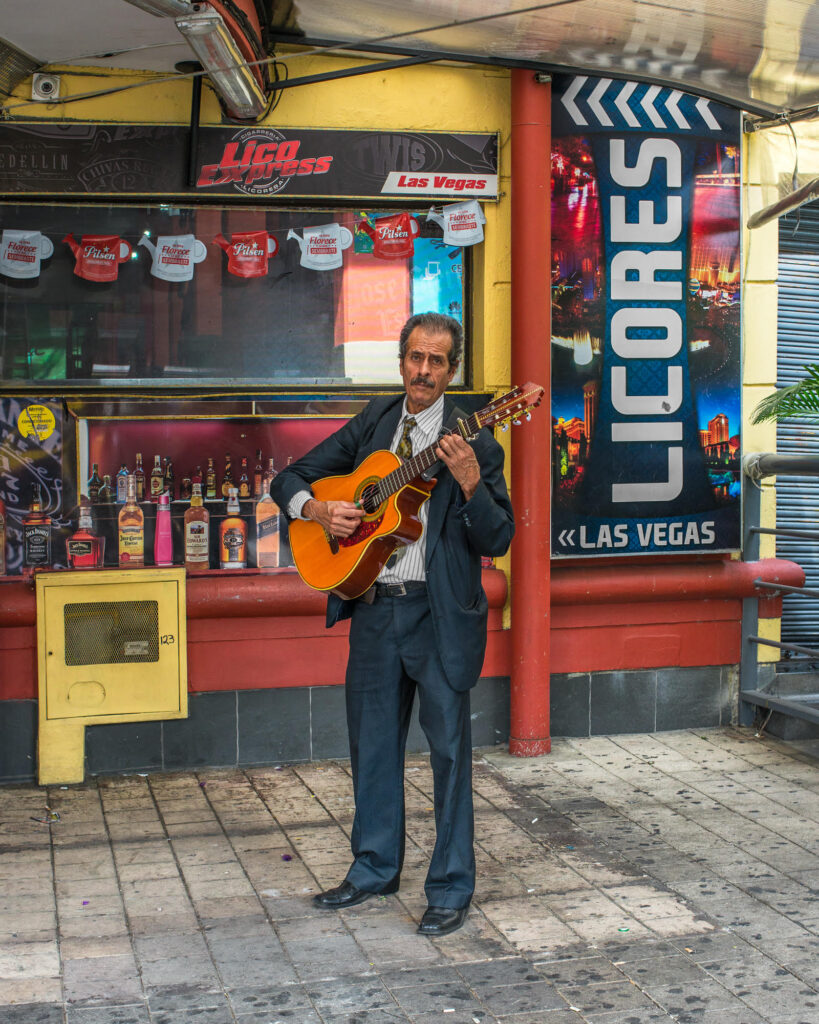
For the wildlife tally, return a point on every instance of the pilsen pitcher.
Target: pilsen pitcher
(248, 252)
(98, 256)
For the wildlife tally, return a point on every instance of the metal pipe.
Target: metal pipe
(778, 532)
(762, 464)
(370, 69)
(531, 447)
(781, 588)
(810, 651)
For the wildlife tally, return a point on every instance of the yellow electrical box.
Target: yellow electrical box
(111, 648)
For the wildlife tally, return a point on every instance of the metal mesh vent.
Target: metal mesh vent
(15, 67)
(111, 632)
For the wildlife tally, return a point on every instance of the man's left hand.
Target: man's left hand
(460, 460)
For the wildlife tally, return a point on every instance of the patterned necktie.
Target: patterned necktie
(404, 447)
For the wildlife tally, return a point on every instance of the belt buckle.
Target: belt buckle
(399, 590)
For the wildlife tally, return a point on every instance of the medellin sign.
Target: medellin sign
(645, 320)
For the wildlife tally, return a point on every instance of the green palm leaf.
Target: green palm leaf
(801, 399)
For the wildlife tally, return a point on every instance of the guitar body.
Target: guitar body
(348, 566)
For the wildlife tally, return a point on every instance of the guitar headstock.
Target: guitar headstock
(511, 406)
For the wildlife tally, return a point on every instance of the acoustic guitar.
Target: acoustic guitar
(391, 492)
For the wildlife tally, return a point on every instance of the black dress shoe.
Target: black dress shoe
(439, 921)
(344, 895)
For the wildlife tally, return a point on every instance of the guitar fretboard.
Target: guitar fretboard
(411, 468)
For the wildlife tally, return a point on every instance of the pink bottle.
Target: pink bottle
(163, 539)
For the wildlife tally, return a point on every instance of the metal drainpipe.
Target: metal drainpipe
(531, 446)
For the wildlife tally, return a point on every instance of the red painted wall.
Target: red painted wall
(257, 630)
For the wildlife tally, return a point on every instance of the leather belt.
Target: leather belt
(398, 589)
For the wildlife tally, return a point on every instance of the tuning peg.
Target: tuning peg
(504, 426)
(515, 422)
(528, 415)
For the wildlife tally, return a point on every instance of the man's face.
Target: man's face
(425, 367)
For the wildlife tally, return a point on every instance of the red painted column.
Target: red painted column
(531, 444)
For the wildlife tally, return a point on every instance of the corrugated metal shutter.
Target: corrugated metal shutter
(797, 497)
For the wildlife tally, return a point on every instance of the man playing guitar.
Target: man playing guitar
(421, 626)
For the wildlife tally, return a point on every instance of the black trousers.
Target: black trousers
(392, 653)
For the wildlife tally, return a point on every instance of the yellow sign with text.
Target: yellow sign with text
(36, 421)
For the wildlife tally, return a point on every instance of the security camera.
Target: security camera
(45, 87)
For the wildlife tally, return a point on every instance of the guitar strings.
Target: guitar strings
(409, 470)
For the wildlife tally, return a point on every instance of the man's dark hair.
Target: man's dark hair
(434, 323)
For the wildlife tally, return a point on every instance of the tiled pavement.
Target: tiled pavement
(621, 880)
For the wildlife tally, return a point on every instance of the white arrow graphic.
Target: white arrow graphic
(621, 102)
(705, 111)
(647, 103)
(568, 99)
(595, 104)
(565, 538)
(672, 106)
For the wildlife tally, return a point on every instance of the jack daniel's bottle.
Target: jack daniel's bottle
(36, 533)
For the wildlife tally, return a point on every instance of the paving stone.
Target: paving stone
(33, 1013)
(136, 1013)
(298, 1016)
(608, 998)
(200, 1015)
(350, 994)
(682, 998)
(436, 998)
(184, 997)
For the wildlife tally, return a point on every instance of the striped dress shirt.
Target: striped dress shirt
(410, 564)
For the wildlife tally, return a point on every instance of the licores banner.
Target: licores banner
(645, 320)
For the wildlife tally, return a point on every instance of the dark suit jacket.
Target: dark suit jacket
(458, 531)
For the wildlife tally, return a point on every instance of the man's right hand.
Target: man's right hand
(339, 518)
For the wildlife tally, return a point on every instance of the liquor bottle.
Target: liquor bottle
(122, 484)
(258, 476)
(267, 533)
(210, 482)
(139, 477)
(84, 549)
(106, 492)
(185, 488)
(233, 536)
(267, 479)
(36, 533)
(197, 532)
(227, 478)
(2, 538)
(94, 484)
(244, 483)
(157, 479)
(163, 540)
(196, 478)
(169, 479)
(131, 529)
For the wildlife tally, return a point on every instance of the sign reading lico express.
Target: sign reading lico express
(251, 161)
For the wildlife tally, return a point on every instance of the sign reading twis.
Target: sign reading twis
(645, 326)
(256, 161)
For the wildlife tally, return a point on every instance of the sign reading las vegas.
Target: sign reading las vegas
(645, 320)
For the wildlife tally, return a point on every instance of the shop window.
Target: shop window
(86, 296)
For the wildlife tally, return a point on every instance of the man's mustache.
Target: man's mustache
(424, 382)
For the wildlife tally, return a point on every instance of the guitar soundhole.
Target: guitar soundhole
(369, 499)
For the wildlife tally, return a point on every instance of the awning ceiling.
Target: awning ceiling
(760, 56)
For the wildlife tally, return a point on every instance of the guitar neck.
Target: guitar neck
(415, 466)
